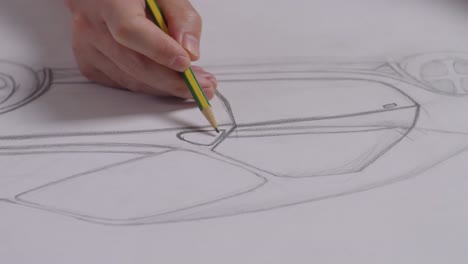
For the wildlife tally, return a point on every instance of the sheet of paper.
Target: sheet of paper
(344, 138)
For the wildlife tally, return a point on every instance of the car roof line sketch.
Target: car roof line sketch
(391, 130)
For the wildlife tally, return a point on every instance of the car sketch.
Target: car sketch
(325, 128)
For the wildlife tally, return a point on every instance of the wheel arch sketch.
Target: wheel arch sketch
(342, 126)
(20, 85)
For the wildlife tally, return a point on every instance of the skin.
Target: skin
(117, 45)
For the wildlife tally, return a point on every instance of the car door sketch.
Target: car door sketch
(326, 128)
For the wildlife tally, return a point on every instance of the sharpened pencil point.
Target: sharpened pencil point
(208, 113)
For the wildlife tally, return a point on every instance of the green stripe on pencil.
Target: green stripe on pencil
(189, 77)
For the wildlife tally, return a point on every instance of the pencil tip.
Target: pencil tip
(217, 130)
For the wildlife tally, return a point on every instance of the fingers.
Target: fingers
(96, 67)
(207, 81)
(185, 24)
(125, 67)
(129, 26)
(104, 72)
(96, 76)
(141, 68)
(84, 55)
(118, 46)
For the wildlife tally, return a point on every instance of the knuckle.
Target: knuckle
(135, 64)
(190, 19)
(194, 17)
(180, 91)
(80, 22)
(87, 72)
(164, 53)
(76, 46)
(129, 83)
(122, 31)
(76, 49)
(188, 14)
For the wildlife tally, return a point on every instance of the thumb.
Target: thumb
(185, 24)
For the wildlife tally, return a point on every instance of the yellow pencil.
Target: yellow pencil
(189, 76)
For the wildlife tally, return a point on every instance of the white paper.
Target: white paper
(344, 138)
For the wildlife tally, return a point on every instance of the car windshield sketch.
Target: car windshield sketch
(309, 129)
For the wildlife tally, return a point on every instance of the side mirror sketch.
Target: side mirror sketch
(203, 137)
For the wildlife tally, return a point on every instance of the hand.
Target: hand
(117, 45)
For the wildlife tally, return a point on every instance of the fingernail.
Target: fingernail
(209, 92)
(180, 63)
(191, 44)
(205, 82)
(214, 82)
(204, 74)
(210, 77)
